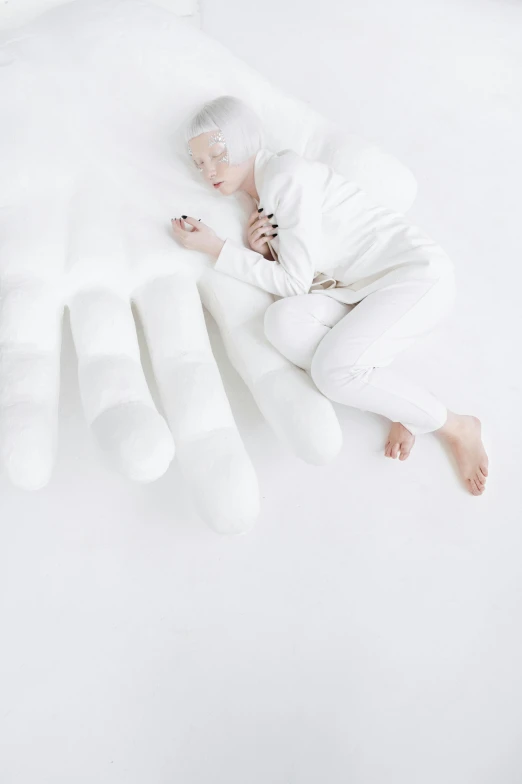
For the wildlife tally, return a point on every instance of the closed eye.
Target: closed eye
(213, 157)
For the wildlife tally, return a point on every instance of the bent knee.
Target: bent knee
(328, 375)
(279, 319)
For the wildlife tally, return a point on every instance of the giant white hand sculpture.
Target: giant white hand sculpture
(89, 179)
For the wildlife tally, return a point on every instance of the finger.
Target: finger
(211, 454)
(265, 228)
(179, 232)
(257, 222)
(299, 414)
(259, 242)
(254, 216)
(116, 399)
(257, 235)
(178, 229)
(30, 328)
(193, 222)
(260, 222)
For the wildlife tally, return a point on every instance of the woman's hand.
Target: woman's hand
(259, 227)
(201, 237)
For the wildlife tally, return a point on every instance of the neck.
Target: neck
(249, 184)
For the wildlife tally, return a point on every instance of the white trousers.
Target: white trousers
(347, 348)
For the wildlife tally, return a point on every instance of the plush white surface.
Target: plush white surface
(93, 167)
(367, 629)
(14, 13)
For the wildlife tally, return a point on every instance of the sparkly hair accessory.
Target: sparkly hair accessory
(216, 137)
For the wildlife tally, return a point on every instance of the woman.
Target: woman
(357, 282)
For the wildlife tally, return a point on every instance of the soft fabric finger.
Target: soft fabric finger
(115, 395)
(30, 337)
(210, 451)
(32, 253)
(299, 414)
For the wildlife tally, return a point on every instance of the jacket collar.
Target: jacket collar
(263, 155)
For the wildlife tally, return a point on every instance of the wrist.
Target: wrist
(217, 248)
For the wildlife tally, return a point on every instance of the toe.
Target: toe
(475, 488)
(481, 485)
(484, 470)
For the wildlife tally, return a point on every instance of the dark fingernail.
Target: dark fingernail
(275, 225)
(260, 209)
(274, 235)
(183, 216)
(199, 218)
(270, 214)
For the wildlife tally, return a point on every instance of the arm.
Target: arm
(296, 200)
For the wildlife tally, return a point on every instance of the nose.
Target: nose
(210, 173)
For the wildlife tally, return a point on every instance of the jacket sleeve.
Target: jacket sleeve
(296, 201)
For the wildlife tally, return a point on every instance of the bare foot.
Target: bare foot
(400, 442)
(462, 433)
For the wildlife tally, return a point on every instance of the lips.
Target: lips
(217, 184)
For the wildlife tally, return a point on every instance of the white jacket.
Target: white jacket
(332, 238)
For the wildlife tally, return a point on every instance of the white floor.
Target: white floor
(369, 631)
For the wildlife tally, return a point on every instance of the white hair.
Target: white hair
(238, 122)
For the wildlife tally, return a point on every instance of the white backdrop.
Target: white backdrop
(20, 11)
(368, 629)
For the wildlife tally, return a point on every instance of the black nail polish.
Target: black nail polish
(270, 215)
(275, 225)
(183, 216)
(274, 235)
(260, 209)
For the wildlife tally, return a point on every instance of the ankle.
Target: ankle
(450, 429)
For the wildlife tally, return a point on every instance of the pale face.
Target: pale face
(210, 157)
